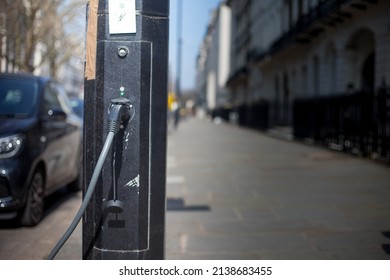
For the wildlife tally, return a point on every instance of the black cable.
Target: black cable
(87, 197)
(119, 113)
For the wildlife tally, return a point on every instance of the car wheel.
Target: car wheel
(33, 212)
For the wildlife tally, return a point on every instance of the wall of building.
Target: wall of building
(331, 59)
(213, 62)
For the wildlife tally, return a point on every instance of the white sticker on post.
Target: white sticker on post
(121, 15)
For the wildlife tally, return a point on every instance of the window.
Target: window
(300, 8)
(63, 99)
(316, 73)
(304, 81)
(17, 97)
(330, 69)
(50, 101)
(56, 98)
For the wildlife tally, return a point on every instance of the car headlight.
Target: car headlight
(10, 146)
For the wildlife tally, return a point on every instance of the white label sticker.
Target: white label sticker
(121, 15)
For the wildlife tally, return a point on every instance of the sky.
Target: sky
(195, 18)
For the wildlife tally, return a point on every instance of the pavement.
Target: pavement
(235, 193)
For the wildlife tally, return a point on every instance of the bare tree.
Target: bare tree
(66, 40)
(37, 33)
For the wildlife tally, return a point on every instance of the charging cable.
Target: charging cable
(119, 114)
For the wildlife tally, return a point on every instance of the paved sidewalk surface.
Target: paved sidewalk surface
(236, 193)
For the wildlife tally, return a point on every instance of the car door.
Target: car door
(71, 141)
(54, 132)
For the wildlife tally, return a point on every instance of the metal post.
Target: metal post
(125, 218)
(179, 55)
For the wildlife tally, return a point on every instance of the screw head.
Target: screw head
(122, 52)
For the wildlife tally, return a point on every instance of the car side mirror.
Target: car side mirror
(56, 115)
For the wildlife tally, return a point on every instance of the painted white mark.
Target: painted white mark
(134, 183)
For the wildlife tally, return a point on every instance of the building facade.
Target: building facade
(213, 61)
(320, 67)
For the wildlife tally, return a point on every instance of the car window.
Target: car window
(63, 99)
(50, 99)
(17, 97)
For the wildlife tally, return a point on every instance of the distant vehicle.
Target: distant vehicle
(40, 145)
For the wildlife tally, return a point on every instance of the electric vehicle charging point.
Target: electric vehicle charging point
(125, 218)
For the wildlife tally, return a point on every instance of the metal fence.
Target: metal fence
(358, 123)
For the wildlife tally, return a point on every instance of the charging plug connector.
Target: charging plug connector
(119, 114)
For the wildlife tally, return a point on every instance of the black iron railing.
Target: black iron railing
(357, 123)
